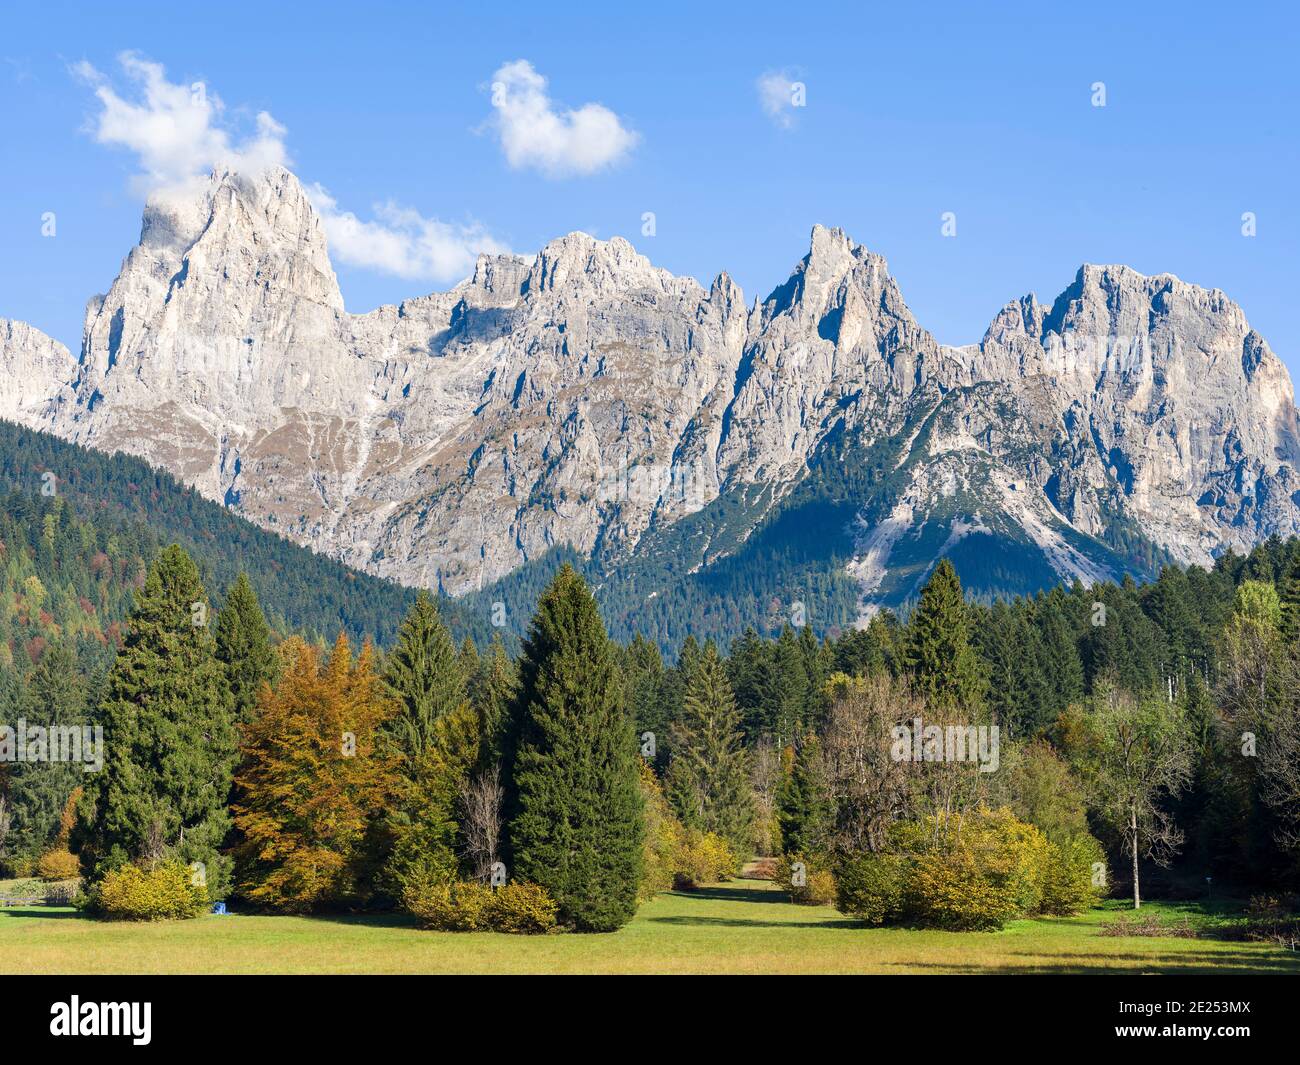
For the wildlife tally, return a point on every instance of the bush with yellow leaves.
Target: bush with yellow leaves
(164, 891)
(806, 879)
(969, 873)
(58, 864)
(472, 906)
(703, 858)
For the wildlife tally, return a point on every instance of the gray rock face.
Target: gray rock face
(584, 397)
(34, 371)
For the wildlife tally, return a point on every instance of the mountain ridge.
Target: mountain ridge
(587, 398)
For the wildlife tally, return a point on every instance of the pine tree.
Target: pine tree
(494, 694)
(708, 780)
(577, 821)
(788, 685)
(171, 734)
(423, 676)
(243, 643)
(938, 657)
(38, 791)
(468, 660)
(643, 680)
(1289, 591)
(749, 670)
(803, 805)
(1060, 656)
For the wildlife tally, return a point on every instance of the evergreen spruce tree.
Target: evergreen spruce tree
(170, 734)
(708, 780)
(1289, 592)
(423, 676)
(468, 660)
(643, 682)
(243, 643)
(1061, 660)
(494, 694)
(749, 670)
(803, 804)
(937, 654)
(788, 684)
(37, 791)
(577, 821)
(435, 735)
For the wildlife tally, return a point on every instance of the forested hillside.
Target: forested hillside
(125, 499)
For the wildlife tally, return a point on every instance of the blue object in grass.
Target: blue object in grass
(219, 908)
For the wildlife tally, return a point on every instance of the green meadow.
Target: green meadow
(745, 926)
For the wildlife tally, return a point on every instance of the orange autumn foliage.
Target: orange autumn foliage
(313, 782)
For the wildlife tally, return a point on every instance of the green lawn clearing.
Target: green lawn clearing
(740, 927)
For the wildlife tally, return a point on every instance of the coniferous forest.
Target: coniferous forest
(384, 751)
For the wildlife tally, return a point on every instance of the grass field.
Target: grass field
(742, 927)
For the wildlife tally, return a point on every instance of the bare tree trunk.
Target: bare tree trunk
(1133, 828)
(480, 807)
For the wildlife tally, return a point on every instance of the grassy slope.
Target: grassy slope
(737, 928)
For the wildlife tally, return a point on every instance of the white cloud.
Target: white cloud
(179, 134)
(534, 134)
(402, 241)
(778, 91)
(175, 130)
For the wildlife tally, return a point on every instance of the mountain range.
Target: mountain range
(815, 447)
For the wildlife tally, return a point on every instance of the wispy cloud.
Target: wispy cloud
(535, 134)
(402, 242)
(176, 131)
(179, 133)
(779, 94)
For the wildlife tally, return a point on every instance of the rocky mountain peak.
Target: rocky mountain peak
(583, 396)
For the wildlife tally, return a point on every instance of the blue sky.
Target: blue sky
(912, 110)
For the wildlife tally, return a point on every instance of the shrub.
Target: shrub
(162, 892)
(447, 906)
(521, 909)
(818, 887)
(703, 858)
(663, 839)
(1067, 883)
(1270, 919)
(970, 873)
(23, 867)
(949, 889)
(58, 864)
(470, 906)
(871, 887)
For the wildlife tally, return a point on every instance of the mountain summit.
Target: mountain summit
(587, 398)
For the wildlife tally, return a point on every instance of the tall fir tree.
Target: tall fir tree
(1289, 591)
(494, 692)
(1060, 655)
(643, 680)
(788, 687)
(170, 732)
(708, 780)
(243, 647)
(577, 823)
(938, 656)
(804, 810)
(749, 669)
(423, 676)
